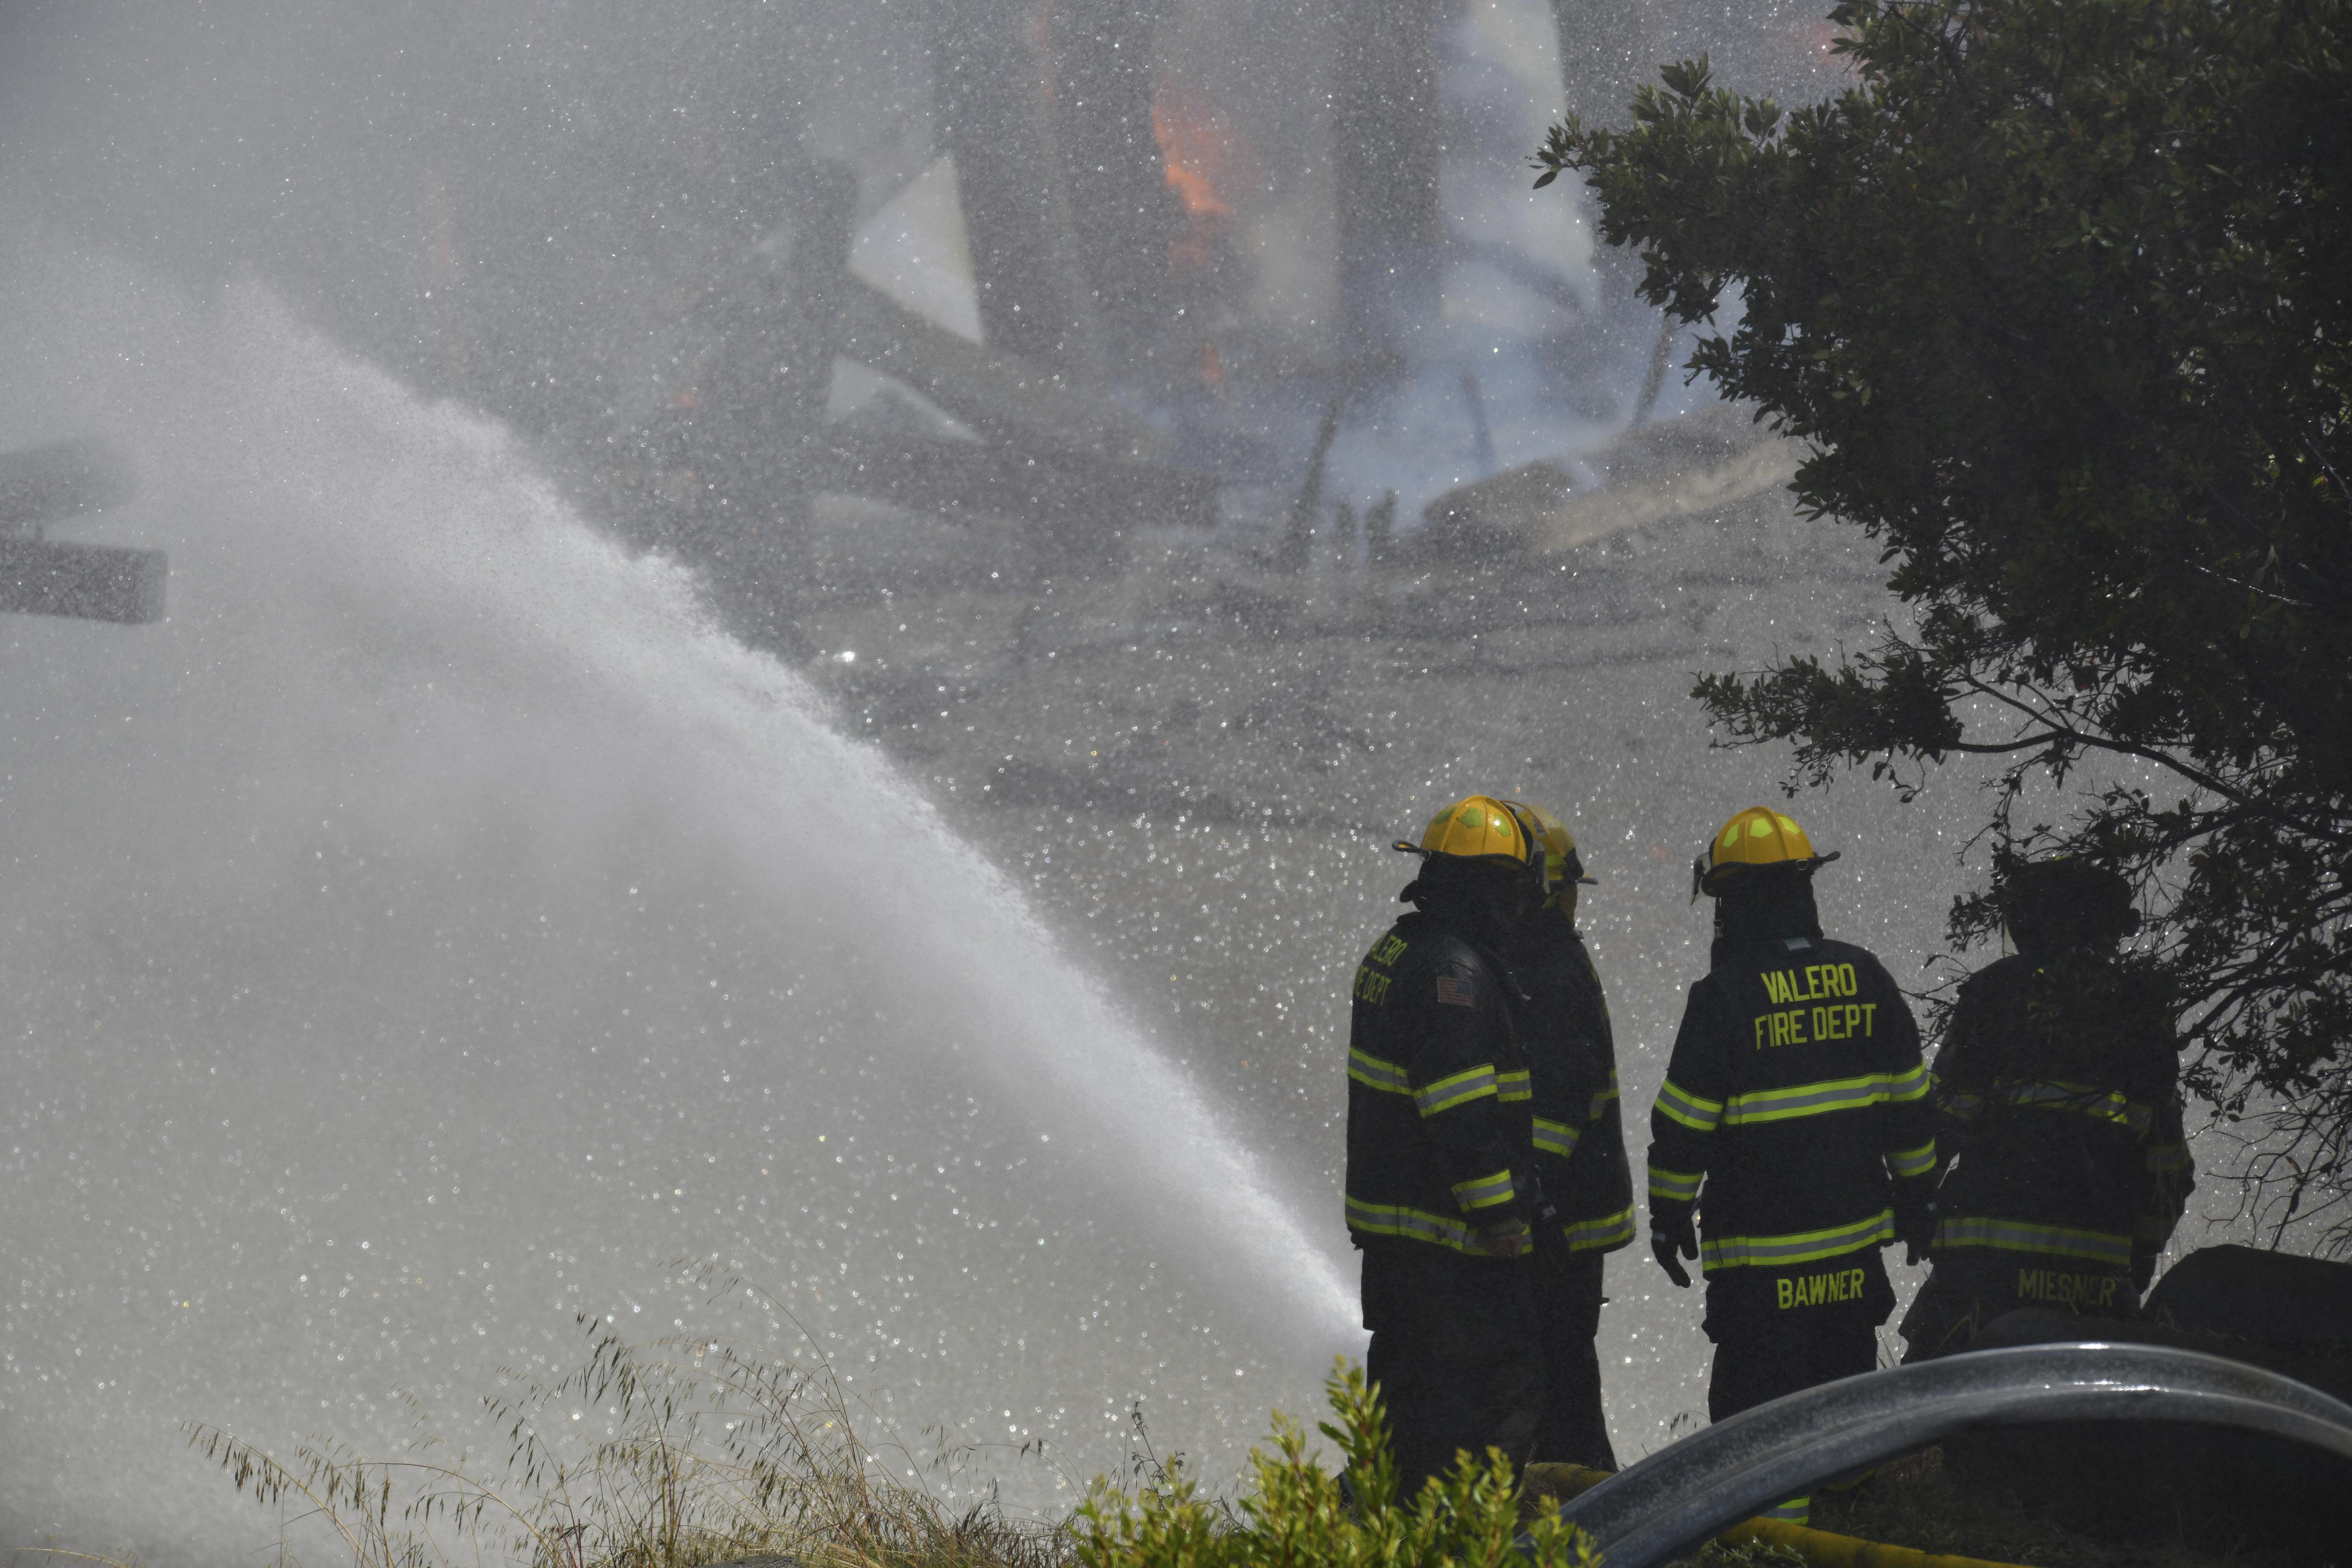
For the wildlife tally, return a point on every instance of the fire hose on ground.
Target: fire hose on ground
(1719, 1478)
(1822, 1548)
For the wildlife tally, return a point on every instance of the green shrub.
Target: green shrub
(1298, 1515)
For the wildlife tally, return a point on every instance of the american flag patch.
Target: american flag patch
(1452, 992)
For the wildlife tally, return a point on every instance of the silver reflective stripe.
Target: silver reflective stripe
(1806, 1100)
(1678, 1104)
(1601, 1101)
(1608, 1230)
(1393, 1219)
(1555, 1137)
(1485, 1192)
(1374, 1073)
(2049, 1240)
(1510, 1087)
(1459, 1090)
(1740, 1251)
(1913, 1161)
(2110, 1105)
(1673, 1186)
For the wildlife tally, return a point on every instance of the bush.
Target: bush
(1301, 1515)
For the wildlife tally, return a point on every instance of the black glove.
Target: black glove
(1666, 1240)
(1552, 1240)
(1915, 1228)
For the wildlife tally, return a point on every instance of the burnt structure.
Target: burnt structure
(1386, 140)
(40, 485)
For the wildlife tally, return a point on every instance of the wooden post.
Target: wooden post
(1128, 218)
(994, 113)
(1385, 140)
(1298, 538)
(760, 420)
(1379, 530)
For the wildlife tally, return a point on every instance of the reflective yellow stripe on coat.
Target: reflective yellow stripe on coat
(1913, 1161)
(1373, 1073)
(2019, 1235)
(1679, 1104)
(1485, 1192)
(1459, 1089)
(1675, 1186)
(1805, 1246)
(1555, 1137)
(1602, 1234)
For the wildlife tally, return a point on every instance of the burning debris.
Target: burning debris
(1699, 464)
(41, 576)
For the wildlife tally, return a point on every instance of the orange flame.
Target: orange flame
(1198, 149)
(1204, 161)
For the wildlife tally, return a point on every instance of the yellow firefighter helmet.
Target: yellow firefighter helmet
(1755, 838)
(1563, 865)
(1481, 827)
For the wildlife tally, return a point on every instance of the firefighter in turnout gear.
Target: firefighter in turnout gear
(2057, 1093)
(1795, 1120)
(1580, 1149)
(1440, 1195)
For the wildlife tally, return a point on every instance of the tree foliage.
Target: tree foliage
(2056, 292)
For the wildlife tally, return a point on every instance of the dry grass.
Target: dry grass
(718, 1450)
(718, 1453)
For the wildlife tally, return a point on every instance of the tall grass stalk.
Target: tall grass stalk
(715, 1449)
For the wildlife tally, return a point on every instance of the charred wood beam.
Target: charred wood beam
(997, 394)
(992, 103)
(960, 477)
(85, 582)
(1101, 59)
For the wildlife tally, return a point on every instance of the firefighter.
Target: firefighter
(2057, 1094)
(1439, 1193)
(1797, 1099)
(1580, 1158)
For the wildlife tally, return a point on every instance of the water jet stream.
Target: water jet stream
(436, 923)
